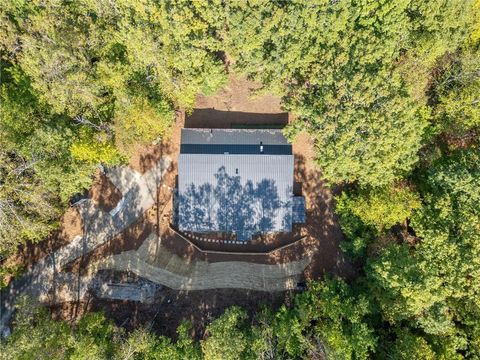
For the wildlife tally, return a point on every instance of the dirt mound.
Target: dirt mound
(171, 307)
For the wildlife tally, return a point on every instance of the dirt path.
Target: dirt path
(45, 280)
(180, 267)
(155, 263)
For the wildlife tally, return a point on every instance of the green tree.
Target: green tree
(36, 336)
(338, 315)
(226, 336)
(94, 338)
(403, 285)
(141, 123)
(368, 213)
(433, 285)
(26, 212)
(143, 344)
(455, 91)
(38, 172)
(449, 225)
(380, 207)
(409, 346)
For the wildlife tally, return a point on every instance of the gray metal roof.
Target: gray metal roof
(236, 149)
(241, 193)
(234, 136)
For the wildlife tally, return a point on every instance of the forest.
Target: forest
(388, 90)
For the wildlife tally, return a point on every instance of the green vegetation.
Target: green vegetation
(329, 319)
(379, 207)
(388, 90)
(37, 336)
(355, 74)
(82, 84)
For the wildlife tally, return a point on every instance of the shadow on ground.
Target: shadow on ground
(212, 118)
(171, 307)
(322, 225)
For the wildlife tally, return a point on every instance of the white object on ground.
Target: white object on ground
(118, 207)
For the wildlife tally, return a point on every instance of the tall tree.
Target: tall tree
(100, 62)
(335, 63)
(85, 82)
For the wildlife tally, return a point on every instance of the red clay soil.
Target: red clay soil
(240, 95)
(179, 246)
(237, 104)
(171, 307)
(103, 193)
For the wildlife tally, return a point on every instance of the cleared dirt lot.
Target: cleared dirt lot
(172, 307)
(321, 233)
(238, 104)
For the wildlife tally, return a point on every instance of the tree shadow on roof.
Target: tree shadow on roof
(211, 118)
(230, 206)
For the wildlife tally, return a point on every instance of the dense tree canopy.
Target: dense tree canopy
(38, 170)
(83, 84)
(100, 62)
(329, 320)
(389, 92)
(341, 68)
(36, 336)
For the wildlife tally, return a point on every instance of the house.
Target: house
(236, 181)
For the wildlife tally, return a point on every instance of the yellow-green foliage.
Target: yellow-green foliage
(27, 209)
(84, 55)
(140, 123)
(457, 92)
(84, 82)
(475, 36)
(219, 346)
(408, 346)
(94, 149)
(9, 271)
(380, 207)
